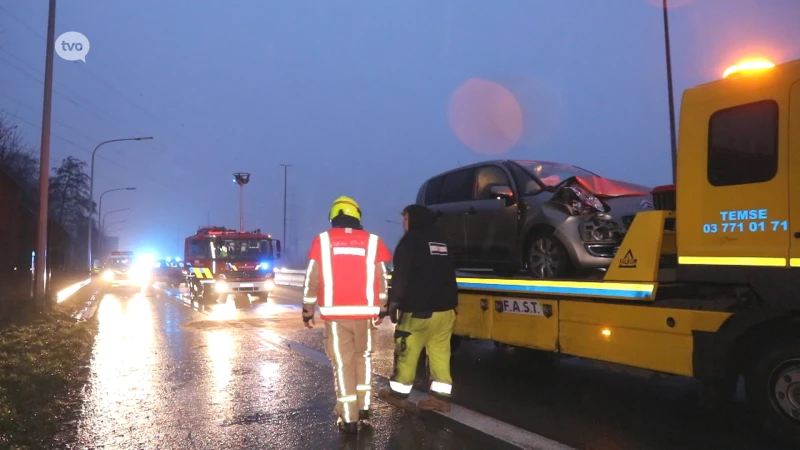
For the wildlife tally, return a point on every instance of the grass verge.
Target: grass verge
(44, 359)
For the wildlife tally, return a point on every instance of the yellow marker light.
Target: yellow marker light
(606, 332)
(748, 66)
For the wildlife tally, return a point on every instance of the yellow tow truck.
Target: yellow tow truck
(706, 285)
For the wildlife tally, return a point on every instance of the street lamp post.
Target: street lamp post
(103, 219)
(669, 92)
(285, 170)
(100, 207)
(91, 191)
(40, 260)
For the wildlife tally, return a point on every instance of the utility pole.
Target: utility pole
(40, 261)
(671, 101)
(285, 174)
(241, 178)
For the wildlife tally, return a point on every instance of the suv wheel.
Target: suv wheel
(547, 258)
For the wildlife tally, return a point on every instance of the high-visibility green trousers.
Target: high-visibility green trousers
(411, 335)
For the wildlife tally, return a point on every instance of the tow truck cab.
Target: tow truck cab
(222, 261)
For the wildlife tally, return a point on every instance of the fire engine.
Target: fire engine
(220, 262)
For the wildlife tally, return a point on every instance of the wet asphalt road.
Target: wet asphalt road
(168, 376)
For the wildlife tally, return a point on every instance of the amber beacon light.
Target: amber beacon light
(748, 66)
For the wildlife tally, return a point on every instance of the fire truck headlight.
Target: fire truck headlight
(108, 275)
(221, 287)
(269, 285)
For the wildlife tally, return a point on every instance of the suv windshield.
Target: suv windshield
(551, 174)
(118, 263)
(242, 249)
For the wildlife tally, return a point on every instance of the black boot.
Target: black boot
(365, 417)
(347, 427)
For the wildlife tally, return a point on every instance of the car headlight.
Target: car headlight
(583, 202)
(108, 275)
(269, 285)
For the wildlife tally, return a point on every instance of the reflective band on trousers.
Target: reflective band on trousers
(349, 310)
(348, 399)
(442, 388)
(401, 388)
(363, 387)
(309, 300)
(339, 373)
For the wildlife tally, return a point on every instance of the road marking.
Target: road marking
(500, 430)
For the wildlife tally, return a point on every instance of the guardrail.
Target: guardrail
(290, 277)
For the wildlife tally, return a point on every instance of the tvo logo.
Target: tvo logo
(72, 46)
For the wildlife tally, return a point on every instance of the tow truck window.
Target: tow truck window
(199, 250)
(242, 249)
(743, 144)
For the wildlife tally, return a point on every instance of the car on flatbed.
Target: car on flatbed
(550, 219)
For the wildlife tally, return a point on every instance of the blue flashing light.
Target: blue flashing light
(263, 266)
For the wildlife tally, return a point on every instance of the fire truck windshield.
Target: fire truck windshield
(242, 249)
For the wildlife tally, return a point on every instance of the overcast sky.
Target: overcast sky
(359, 96)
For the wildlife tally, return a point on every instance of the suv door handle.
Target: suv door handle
(472, 210)
(797, 235)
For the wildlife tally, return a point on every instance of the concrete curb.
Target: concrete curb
(69, 291)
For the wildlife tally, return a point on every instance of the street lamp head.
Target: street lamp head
(146, 138)
(130, 189)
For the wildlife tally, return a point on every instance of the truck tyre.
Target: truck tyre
(547, 257)
(773, 390)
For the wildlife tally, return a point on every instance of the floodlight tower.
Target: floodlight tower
(241, 179)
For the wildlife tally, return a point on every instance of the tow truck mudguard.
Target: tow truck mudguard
(718, 355)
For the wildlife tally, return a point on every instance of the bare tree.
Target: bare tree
(16, 158)
(69, 194)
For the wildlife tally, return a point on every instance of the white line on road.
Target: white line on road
(500, 430)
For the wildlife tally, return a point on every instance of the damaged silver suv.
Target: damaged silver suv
(552, 220)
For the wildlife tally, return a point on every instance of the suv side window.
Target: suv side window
(457, 187)
(525, 182)
(486, 177)
(743, 144)
(432, 191)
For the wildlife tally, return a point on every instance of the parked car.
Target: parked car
(547, 218)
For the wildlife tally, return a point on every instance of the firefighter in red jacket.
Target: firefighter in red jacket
(347, 279)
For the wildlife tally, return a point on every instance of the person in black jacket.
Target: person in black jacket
(422, 302)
